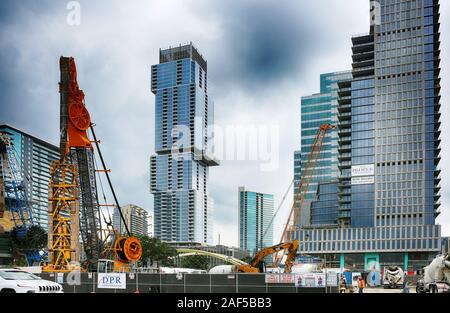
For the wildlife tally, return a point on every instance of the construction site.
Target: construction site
(81, 237)
(83, 243)
(361, 214)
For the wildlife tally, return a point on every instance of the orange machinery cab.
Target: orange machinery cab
(79, 118)
(127, 250)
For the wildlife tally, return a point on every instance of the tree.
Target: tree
(156, 251)
(199, 262)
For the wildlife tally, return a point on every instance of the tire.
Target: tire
(7, 291)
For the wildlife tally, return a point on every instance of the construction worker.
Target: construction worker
(361, 285)
(343, 286)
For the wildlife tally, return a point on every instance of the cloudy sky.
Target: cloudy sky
(262, 57)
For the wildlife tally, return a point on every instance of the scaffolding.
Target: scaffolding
(63, 249)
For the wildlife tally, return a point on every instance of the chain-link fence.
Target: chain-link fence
(181, 283)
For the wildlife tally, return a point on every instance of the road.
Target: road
(382, 290)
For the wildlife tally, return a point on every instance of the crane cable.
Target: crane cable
(104, 197)
(109, 181)
(278, 209)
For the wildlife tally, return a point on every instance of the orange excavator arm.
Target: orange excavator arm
(253, 266)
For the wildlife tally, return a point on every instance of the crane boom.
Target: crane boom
(294, 214)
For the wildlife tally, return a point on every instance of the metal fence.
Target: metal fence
(181, 283)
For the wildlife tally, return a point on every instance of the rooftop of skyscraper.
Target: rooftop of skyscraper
(182, 52)
(37, 139)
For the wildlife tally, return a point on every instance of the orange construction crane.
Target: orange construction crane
(73, 201)
(288, 234)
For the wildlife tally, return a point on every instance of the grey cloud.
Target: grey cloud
(262, 56)
(261, 43)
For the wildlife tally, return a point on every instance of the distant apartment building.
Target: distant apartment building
(255, 213)
(180, 168)
(33, 158)
(151, 229)
(136, 219)
(388, 141)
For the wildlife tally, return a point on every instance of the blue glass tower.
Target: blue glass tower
(179, 170)
(316, 110)
(255, 213)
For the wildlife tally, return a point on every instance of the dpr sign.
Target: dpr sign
(112, 281)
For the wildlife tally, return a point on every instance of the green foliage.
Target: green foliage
(199, 262)
(156, 251)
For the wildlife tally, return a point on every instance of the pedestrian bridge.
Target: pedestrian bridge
(229, 259)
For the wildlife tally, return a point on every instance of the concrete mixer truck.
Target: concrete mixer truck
(436, 276)
(393, 277)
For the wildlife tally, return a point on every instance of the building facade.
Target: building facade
(151, 231)
(255, 214)
(180, 168)
(33, 157)
(388, 145)
(316, 110)
(136, 218)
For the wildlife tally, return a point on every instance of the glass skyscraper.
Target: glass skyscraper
(388, 144)
(255, 213)
(316, 110)
(33, 157)
(179, 170)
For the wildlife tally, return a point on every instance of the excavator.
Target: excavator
(288, 241)
(257, 265)
(74, 208)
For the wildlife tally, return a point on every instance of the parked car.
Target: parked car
(18, 281)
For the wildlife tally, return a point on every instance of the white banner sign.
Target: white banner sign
(363, 170)
(307, 280)
(320, 280)
(112, 280)
(287, 278)
(272, 279)
(363, 180)
(332, 278)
